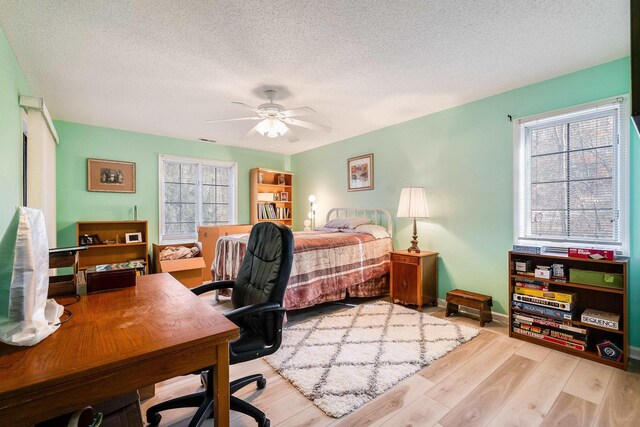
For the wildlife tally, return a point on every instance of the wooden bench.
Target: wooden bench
(480, 302)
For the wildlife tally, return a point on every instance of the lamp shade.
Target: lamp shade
(413, 203)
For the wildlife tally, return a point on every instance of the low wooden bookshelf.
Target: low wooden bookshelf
(116, 251)
(268, 187)
(601, 298)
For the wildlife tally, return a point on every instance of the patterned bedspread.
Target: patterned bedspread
(326, 266)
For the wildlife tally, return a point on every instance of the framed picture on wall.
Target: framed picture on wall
(360, 173)
(111, 176)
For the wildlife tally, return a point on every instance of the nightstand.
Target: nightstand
(414, 278)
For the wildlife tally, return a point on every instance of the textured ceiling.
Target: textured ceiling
(164, 67)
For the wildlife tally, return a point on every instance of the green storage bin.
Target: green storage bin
(596, 278)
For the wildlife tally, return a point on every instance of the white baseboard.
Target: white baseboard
(634, 352)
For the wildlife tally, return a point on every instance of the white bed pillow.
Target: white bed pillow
(376, 231)
(350, 223)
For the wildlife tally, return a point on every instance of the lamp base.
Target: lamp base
(414, 248)
(414, 243)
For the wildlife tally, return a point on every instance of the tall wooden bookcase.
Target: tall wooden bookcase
(601, 298)
(113, 253)
(267, 187)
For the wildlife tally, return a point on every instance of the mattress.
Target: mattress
(327, 266)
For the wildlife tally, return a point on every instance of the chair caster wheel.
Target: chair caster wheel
(264, 423)
(154, 419)
(262, 383)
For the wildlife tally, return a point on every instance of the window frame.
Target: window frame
(186, 238)
(619, 107)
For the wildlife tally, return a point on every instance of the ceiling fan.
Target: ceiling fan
(274, 119)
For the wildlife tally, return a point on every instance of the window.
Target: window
(571, 177)
(195, 192)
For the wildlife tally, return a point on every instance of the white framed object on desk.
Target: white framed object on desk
(133, 237)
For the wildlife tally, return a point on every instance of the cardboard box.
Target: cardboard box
(591, 253)
(188, 271)
(543, 273)
(596, 278)
(209, 235)
(601, 318)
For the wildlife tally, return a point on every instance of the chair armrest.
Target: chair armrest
(213, 286)
(249, 310)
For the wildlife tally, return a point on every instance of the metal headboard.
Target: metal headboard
(380, 217)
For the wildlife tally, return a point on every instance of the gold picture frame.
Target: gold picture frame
(111, 176)
(360, 173)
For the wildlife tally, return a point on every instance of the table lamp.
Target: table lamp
(313, 206)
(413, 204)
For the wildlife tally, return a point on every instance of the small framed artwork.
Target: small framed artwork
(133, 237)
(281, 180)
(284, 196)
(111, 176)
(360, 173)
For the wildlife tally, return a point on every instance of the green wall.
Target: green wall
(13, 83)
(463, 157)
(79, 142)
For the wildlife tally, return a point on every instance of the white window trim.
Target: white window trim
(233, 218)
(623, 177)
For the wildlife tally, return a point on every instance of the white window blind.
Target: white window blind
(195, 192)
(571, 177)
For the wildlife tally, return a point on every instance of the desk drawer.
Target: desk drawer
(406, 259)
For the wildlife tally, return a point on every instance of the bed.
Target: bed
(329, 264)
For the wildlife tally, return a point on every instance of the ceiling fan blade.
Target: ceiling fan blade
(292, 137)
(308, 125)
(232, 120)
(251, 132)
(255, 110)
(295, 112)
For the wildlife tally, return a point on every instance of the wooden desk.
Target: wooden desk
(116, 342)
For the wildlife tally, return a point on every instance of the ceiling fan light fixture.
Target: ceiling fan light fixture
(272, 128)
(280, 127)
(263, 127)
(275, 121)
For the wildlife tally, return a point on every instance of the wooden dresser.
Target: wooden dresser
(414, 278)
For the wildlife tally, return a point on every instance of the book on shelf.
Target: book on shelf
(565, 306)
(270, 211)
(544, 311)
(545, 321)
(558, 341)
(532, 250)
(136, 265)
(601, 318)
(549, 331)
(545, 293)
(533, 285)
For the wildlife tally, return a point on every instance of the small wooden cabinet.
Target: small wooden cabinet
(414, 278)
(271, 196)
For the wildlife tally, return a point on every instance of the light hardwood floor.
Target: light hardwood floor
(493, 380)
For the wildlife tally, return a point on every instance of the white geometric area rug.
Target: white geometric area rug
(342, 361)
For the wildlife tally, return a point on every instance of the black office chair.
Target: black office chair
(257, 297)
